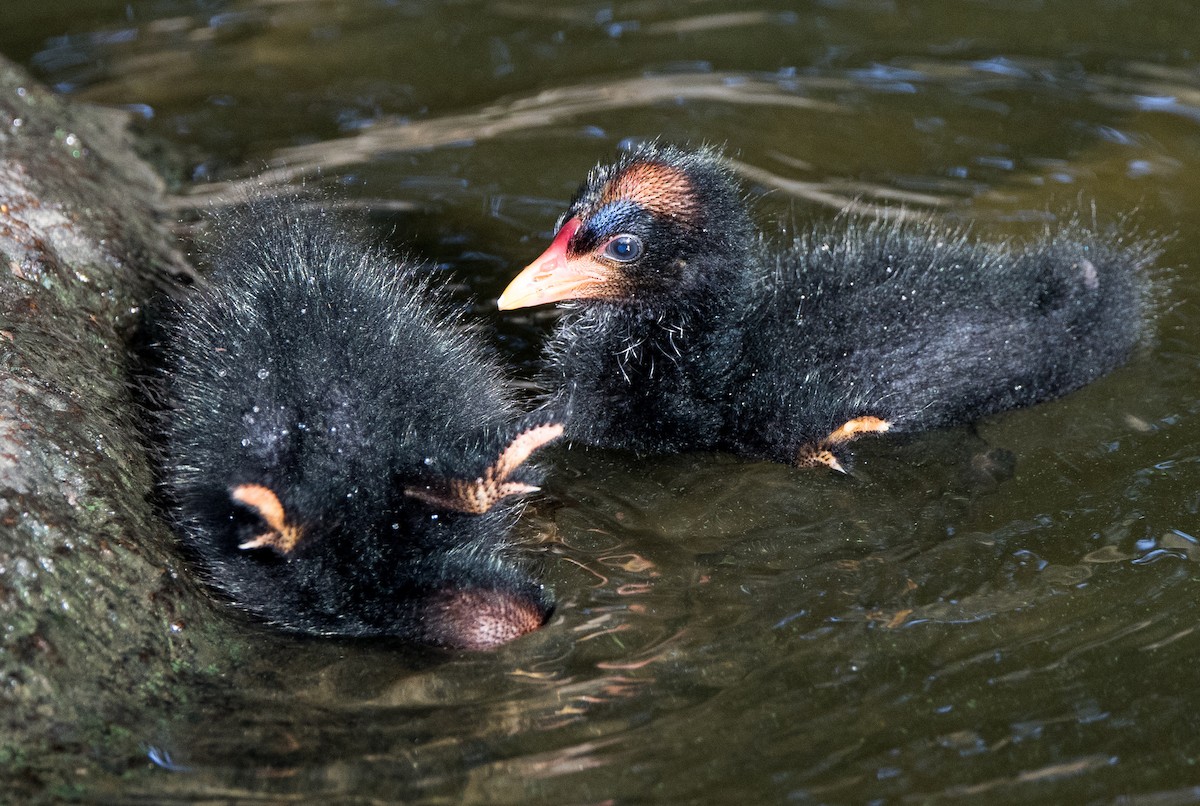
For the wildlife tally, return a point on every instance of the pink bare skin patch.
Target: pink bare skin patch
(480, 619)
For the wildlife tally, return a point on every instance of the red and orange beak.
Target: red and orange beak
(558, 275)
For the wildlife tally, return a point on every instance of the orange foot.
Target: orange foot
(280, 535)
(478, 496)
(821, 453)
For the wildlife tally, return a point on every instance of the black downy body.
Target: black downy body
(316, 389)
(712, 339)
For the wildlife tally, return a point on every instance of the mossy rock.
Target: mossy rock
(102, 631)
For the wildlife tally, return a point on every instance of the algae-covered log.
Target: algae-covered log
(99, 624)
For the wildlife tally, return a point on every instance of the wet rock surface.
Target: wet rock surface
(99, 622)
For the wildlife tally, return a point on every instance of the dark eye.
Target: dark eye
(624, 248)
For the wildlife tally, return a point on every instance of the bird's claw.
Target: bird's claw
(821, 453)
(479, 495)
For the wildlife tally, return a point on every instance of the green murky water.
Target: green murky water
(925, 631)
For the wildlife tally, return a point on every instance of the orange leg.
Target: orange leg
(480, 495)
(280, 535)
(821, 453)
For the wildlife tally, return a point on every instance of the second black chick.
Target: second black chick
(342, 453)
(684, 331)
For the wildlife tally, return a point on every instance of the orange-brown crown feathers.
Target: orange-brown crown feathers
(658, 188)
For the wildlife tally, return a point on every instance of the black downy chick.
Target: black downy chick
(684, 331)
(341, 451)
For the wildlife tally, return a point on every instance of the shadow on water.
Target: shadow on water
(1007, 614)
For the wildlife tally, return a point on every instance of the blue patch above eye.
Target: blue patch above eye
(614, 217)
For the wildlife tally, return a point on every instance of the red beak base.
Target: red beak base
(558, 275)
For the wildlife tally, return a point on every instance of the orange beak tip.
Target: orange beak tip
(518, 293)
